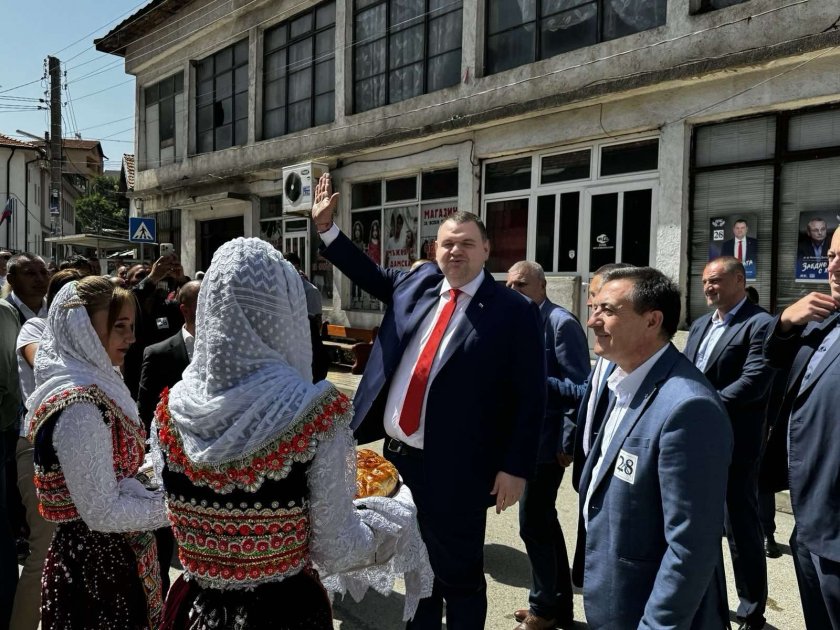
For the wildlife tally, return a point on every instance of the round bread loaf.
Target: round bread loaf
(375, 475)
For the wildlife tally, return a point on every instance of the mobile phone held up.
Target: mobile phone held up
(167, 249)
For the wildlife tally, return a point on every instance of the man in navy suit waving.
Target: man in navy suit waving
(727, 346)
(653, 486)
(806, 338)
(456, 385)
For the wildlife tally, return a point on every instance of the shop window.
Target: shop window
(783, 186)
(440, 184)
(222, 99)
(299, 72)
(545, 231)
(565, 167)
(507, 175)
(404, 48)
(632, 157)
(403, 229)
(507, 230)
(525, 31)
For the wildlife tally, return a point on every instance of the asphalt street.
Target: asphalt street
(508, 577)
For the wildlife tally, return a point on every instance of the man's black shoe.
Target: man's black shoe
(771, 549)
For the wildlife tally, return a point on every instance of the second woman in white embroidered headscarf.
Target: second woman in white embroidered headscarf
(245, 402)
(251, 371)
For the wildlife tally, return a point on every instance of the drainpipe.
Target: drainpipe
(9, 195)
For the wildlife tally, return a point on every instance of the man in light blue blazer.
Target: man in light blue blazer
(654, 484)
(567, 360)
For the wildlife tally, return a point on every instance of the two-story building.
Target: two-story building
(581, 131)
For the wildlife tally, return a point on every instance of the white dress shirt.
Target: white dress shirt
(624, 386)
(189, 342)
(402, 376)
(743, 242)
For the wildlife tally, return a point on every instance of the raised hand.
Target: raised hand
(814, 307)
(326, 201)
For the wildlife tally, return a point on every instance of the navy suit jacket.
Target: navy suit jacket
(653, 554)
(737, 370)
(567, 362)
(809, 418)
(485, 406)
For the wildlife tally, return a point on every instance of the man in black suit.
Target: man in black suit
(163, 365)
(741, 246)
(164, 362)
(806, 337)
(456, 385)
(726, 345)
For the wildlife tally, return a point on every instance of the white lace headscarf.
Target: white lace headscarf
(70, 354)
(251, 375)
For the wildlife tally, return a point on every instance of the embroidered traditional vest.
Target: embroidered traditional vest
(246, 521)
(55, 501)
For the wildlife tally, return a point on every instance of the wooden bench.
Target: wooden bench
(349, 346)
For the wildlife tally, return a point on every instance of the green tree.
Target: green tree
(98, 209)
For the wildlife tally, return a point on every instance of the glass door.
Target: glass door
(295, 238)
(618, 226)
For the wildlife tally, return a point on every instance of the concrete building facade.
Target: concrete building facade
(634, 130)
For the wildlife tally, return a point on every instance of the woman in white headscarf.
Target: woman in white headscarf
(101, 569)
(258, 466)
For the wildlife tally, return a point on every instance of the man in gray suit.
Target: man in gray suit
(656, 471)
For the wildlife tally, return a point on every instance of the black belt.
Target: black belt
(401, 448)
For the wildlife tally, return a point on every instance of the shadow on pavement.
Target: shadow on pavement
(374, 612)
(507, 565)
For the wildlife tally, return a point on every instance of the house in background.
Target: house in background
(582, 133)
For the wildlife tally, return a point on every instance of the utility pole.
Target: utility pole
(54, 66)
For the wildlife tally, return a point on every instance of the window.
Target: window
(403, 48)
(163, 103)
(712, 5)
(222, 99)
(403, 229)
(299, 73)
(524, 31)
(776, 174)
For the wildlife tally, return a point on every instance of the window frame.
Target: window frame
(537, 37)
(387, 36)
(313, 63)
(214, 100)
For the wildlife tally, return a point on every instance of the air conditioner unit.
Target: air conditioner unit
(299, 186)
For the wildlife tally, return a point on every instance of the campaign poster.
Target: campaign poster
(431, 216)
(366, 234)
(815, 231)
(735, 235)
(400, 237)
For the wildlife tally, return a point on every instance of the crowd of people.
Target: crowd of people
(139, 420)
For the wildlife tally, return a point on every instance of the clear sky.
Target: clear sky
(32, 30)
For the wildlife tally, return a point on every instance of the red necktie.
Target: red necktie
(413, 403)
(740, 254)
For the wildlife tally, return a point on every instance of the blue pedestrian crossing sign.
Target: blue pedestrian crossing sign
(142, 230)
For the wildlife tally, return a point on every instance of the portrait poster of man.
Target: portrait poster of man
(815, 231)
(400, 237)
(431, 216)
(366, 234)
(735, 235)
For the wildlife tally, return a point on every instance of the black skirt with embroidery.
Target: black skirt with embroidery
(296, 603)
(90, 582)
